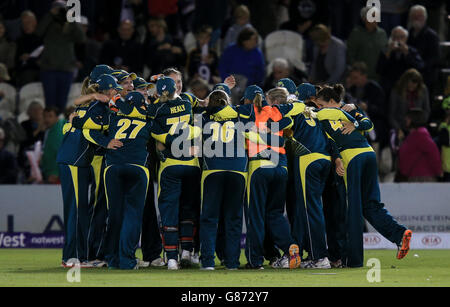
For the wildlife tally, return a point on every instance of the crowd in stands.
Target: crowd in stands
(396, 70)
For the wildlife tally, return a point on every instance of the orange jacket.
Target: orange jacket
(261, 118)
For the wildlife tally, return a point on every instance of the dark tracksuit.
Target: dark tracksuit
(334, 208)
(151, 243)
(178, 181)
(74, 159)
(126, 180)
(266, 189)
(361, 180)
(178, 177)
(224, 179)
(310, 170)
(98, 211)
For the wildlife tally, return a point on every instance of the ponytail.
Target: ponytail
(257, 101)
(85, 85)
(93, 88)
(218, 98)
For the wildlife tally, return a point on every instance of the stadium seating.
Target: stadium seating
(285, 44)
(8, 102)
(27, 94)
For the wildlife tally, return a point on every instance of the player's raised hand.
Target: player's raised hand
(230, 81)
(114, 144)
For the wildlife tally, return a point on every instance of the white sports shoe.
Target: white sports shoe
(305, 263)
(281, 263)
(195, 259)
(142, 263)
(172, 264)
(208, 268)
(322, 263)
(185, 260)
(158, 262)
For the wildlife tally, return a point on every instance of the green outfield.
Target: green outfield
(40, 267)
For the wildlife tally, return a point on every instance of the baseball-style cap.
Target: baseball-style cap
(306, 90)
(99, 70)
(222, 87)
(107, 82)
(289, 85)
(165, 84)
(121, 75)
(251, 91)
(140, 83)
(135, 98)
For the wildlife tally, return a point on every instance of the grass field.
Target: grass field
(40, 267)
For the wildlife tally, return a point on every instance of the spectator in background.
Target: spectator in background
(7, 99)
(370, 98)
(281, 12)
(27, 69)
(34, 128)
(426, 41)
(203, 62)
(418, 159)
(329, 61)
(303, 16)
(87, 53)
(52, 141)
(123, 52)
(7, 48)
(244, 58)
(241, 15)
(345, 15)
(282, 69)
(410, 92)
(394, 13)
(8, 164)
(263, 16)
(398, 58)
(365, 43)
(58, 60)
(160, 49)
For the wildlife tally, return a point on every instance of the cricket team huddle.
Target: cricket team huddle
(302, 152)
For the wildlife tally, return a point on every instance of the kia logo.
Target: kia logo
(431, 240)
(371, 239)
